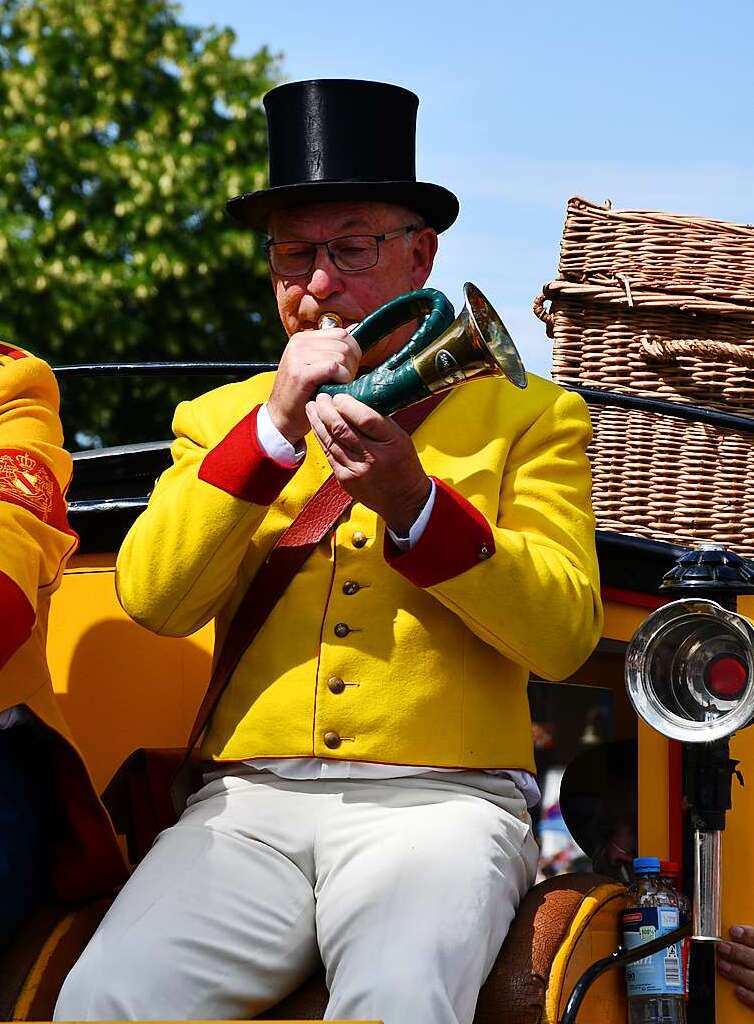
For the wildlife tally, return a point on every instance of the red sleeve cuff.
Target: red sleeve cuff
(17, 618)
(240, 467)
(457, 537)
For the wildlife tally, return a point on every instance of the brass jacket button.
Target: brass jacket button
(351, 587)
(335, 684)
(332, 740)
(359, 539)
(341, 629)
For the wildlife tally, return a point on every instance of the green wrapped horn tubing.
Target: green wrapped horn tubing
(385, 390)
(426, 302)
(396, 384)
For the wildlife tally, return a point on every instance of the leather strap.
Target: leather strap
(288, 554)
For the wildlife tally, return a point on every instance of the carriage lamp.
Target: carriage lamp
(690, 676)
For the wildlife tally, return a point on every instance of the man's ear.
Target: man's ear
(423, 255)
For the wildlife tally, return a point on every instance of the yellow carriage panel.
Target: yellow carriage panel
(120, 687)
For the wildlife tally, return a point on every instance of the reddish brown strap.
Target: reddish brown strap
(290, 551)
(293, 547)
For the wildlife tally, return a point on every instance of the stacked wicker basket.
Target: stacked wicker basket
(661, 306)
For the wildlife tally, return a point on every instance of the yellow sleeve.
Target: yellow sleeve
(180, 560)
(528, 583)
(34, 474)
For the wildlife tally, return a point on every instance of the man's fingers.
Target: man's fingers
(353, 345)
(334, 449)
(310, 375)
(745, 995)
(340, 373)
(365, 419)
(330, 340)
(733, 972)
(736, 953)
(316, 423)
(339, 460)
(735, 961)
(337, 427)
(337, 334)
(743, 933)
(310, 348)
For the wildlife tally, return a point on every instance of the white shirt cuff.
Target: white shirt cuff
(420, 525)
(274, 445)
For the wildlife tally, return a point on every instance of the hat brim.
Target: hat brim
(435, 204)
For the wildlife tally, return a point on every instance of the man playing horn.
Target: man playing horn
(370, 759)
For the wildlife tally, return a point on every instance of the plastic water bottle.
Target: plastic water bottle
(655, 984)
(670, 876)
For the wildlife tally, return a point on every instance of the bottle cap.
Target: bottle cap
(670, 868)
(647, 865)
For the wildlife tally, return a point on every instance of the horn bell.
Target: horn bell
(476, 344)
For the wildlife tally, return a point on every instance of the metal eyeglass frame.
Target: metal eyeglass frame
(268, 246)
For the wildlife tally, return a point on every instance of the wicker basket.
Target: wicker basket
(656, 304)
(673, 480)
(658, 251)
(657, 346)
(662, 307)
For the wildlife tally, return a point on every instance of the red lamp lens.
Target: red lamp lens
(726, 677)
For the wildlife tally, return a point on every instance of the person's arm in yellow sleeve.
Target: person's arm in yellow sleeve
(34, 474)
(181, 558)
(528, 583)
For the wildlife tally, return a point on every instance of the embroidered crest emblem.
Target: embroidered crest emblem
(25, 480)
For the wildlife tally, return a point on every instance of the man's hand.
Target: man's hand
(310, 358)
(372, 458)
(735, 961)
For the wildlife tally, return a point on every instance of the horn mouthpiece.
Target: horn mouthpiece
(329, 320)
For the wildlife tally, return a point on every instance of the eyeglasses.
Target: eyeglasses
(349, 253)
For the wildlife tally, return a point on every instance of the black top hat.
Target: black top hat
(334, 140)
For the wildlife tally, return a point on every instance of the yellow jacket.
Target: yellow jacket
(434, 645)
(36, 543)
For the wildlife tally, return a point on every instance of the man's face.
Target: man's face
(404, 264)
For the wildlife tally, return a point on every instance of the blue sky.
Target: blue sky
(524, 104)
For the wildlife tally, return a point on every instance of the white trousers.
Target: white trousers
(405, 888)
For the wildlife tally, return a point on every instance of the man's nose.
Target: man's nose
(325, 280)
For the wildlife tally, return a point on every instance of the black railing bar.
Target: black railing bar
(84, 505)
(642, 545)
(162, 369)
(617, 959)
(137, 448)
(695, 413)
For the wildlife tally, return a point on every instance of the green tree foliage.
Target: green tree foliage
(123, 133)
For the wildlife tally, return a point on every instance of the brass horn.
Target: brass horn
(443, 353)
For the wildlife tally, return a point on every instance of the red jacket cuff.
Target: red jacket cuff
(457, 537)
(17, 617)
(239, 466)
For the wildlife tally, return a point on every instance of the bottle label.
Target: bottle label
(662, 973)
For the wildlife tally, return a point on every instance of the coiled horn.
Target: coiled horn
(443, 353)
